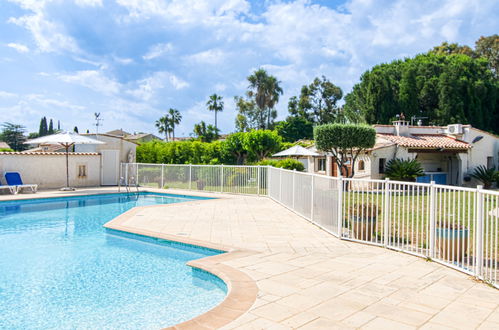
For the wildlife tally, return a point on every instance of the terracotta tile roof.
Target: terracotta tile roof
(427, 141)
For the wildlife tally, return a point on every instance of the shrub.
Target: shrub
(485, 175)
(261, 143)
(288, 164)
(403, 170)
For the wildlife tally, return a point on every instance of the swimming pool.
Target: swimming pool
(59, 268)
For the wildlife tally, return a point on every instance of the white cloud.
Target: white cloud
(147, 87)
(186, 11)
(48, 36)
(89, 3)
(7, 95)
(19, 47)
(210, 56)
(94, 80)
(157, 51)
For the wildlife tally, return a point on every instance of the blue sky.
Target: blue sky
(131, 60)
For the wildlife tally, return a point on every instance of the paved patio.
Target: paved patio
(309, 279)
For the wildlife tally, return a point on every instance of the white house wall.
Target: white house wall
(49, 170)
(111, 143)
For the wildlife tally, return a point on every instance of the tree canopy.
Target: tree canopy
(345, 142)
(256, 111)
(216, 104)
(317, 102)
(13, 135)
(443, 89)
(205, 133)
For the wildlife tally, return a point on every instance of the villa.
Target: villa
(447, 154)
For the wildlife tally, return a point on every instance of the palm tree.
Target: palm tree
(175, 118)
(215, 103)
(266, 91)
(163, 125)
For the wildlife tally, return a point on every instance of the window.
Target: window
(490, 162)
(382, 163)
(82, 171)
(361, 166)
(321, 165)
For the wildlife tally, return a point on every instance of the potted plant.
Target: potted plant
(201, 184)
(363, 218)
(452, 241)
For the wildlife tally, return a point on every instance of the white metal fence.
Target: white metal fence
(455, 226)
(211, 178)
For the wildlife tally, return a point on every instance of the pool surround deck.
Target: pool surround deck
(301, 276)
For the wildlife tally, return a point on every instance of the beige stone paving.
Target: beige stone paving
(308, 279)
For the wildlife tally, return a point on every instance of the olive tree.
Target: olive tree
(345, 142)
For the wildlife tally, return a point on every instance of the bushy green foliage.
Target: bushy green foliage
(288, 164)
(261, 143)
(345, 141)
(485, 175)
(183, 152)
(446, 89)
(233, 145)
(403, 170)
(254, 145)
(6, 150)
(344, 136)
(295, 128)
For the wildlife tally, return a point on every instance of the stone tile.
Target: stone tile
(274, 312)
(324, 323)
(358, 319)
(380, 323)
(464, 315)
(399, 314)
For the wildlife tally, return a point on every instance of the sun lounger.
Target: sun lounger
(14, 179)
(11, 189)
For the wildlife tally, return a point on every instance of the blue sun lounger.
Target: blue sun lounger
(14, 179)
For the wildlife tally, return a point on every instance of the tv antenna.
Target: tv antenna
(98, 121)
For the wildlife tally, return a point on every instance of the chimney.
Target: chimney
(401, 128)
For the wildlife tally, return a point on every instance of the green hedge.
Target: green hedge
(288, 164)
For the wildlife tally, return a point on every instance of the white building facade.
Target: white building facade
(448, 154)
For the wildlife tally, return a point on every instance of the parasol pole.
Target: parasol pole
(67, 146)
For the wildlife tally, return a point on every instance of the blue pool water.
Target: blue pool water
(60, 269)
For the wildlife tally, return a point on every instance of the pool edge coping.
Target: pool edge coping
(242, 290)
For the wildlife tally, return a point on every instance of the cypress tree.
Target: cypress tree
(51, 127)
(58, 125)
(43, 127)
(75, 129)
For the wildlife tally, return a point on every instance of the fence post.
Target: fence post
(479, 231)
(280, 185)
(269, 181)
(162, 176)
(432, 219)
(190, 176)
(386, 213)
(340, 206)
(222, 178)
(293, 203)
(258, 178)
(126, 174)
(137, 174)
(312, 199)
